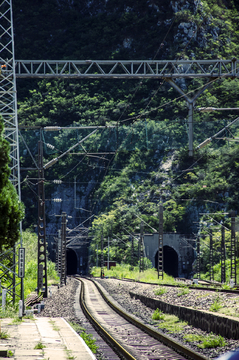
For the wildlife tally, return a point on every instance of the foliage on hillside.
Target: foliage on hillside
(11, 210)
(30, 243)
(150, 138)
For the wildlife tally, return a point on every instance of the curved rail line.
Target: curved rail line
(132, 339)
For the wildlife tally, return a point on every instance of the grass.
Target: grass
(216, 306)
(124, 271)
(88, 338)
(160, 291)
(209, 341)
(77, 327)
(158, 315)
(39, 346)
(30, 317)
(90, 341)
(182, 292)
(56, 328)
(9, 312)
(10, 354)
(171, 323)
(69, 354)
(4, 335)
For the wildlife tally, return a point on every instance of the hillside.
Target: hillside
(150, 137)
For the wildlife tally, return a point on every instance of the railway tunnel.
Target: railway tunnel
(170, 261)
(179, 253)
(71, 261)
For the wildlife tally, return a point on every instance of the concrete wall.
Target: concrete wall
(179, 243)
(218, 324)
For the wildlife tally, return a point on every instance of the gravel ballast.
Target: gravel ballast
(61, 304)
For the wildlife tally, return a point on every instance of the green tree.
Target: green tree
(11, 209)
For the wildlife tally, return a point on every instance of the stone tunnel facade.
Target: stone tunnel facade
(178, 250)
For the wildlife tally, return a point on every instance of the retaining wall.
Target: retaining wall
(218, 324)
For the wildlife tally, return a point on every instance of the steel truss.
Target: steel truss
(160, 69)
(8, 98)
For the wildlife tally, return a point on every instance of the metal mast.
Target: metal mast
(233, 248)
(141, 247)
(8, 111)
(223, 255)
(160, 244)
(211, 258)
(42, 259)
(8, 95)
(63, 249)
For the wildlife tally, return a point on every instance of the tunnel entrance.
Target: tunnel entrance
(170, 261)
(71, 260)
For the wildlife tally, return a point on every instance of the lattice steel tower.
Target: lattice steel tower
(8, 111)
(8, 95)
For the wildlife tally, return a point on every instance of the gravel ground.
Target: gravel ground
(200, 299)
(62, 301)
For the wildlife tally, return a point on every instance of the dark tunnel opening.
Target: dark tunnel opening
(170, 261)
(71, 259)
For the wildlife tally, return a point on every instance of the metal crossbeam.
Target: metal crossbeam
(125, 69)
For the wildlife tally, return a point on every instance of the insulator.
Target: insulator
(57, 181)
(50, 146)
(57, 200)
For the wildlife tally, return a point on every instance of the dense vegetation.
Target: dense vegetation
(11, 210)
(150, 137)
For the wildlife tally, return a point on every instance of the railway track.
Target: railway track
(130, 338)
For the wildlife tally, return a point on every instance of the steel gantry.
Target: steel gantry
(168, 70)
(131, 69)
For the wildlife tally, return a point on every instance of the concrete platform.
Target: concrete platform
(59, 341)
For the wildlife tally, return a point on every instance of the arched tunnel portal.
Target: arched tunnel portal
(170, 261)
(71, 261)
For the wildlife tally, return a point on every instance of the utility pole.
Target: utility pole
(223, 255)
(211, 258)
(141, 251)
(131, 238)
(97, 262)
(233, 248)
(58, 253)
(63, 249)
(190, 103)
(102, 256)
(42, 261)
(160, 243)
(108, 259)
(198, 257)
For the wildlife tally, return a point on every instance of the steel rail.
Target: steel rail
(181, 349)
(106, 336)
